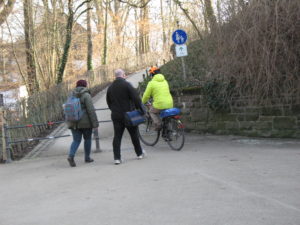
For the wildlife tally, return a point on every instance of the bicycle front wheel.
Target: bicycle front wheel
(176, 136)
(147, 133)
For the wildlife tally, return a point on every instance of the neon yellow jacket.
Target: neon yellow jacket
(158, 89)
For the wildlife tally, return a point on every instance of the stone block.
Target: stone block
(190, 126)
(198, 115)
(266, 118)
(247, 125)
(222, 117)
(237, 110)
(285, 122)
(240, 117)
(264, 133)
(189, 104)
(287, 111)
(202, 126)
(263, 125)
(186, 98)
(253, 110)
(221, 126)
(252, 133)
(283, 133)
(232, 126)
(251, 117)
(296, 109)
(198, 105)
(271, 111)
(196, 99)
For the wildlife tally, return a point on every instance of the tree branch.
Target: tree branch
(135, 5)
(78, 7)
(7, 9)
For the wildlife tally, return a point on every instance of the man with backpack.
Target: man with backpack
(121, 97)
(81, 119)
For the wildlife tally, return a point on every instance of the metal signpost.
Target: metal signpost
(179, 37)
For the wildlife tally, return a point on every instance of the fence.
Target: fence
(7, 141)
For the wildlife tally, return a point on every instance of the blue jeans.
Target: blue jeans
(77, 136)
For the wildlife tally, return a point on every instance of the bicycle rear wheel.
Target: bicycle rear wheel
(175, 134)
(147, 133)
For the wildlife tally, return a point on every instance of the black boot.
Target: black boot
(71, 161)
(89, 160)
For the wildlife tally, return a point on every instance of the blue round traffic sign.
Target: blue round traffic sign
(179, 37)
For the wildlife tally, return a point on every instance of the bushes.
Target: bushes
(258, 48)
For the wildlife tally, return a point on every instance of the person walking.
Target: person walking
(158, 89)
(121, 97)
(83, 127)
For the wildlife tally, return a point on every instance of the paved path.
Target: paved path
(214, 180)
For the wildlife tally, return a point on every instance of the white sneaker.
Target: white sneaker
(117, 162)
(143, 155)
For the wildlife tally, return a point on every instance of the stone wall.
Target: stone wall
(274, 121)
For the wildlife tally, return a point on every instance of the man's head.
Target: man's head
(154, 70)
(119, 73)
(81, 83)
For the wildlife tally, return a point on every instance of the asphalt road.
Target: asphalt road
(214, 180)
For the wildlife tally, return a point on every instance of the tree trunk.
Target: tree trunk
(164, 38)
(99, 14)
(144, 45)
(232, 7)
(29, 48)
(90, 42)
(67, 44)
(104, 57)
(209, 13)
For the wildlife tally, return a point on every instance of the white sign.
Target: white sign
(181, 50)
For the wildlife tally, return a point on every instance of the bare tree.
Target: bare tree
(69, 27)
(33, 85)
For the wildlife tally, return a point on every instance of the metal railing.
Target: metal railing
(7, 141)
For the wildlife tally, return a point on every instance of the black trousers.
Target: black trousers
(119, 128)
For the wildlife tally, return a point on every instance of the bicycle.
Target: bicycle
(172, 129)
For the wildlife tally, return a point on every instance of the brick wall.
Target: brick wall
(275, 121)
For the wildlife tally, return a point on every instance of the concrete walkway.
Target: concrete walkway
(214, 180)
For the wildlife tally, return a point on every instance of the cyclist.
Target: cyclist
(158, 89)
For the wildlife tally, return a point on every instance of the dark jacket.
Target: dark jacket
(121, 97)
(89, 118)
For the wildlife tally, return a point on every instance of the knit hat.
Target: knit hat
(81, 83)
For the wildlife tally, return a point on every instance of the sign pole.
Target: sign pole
(183, 68)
